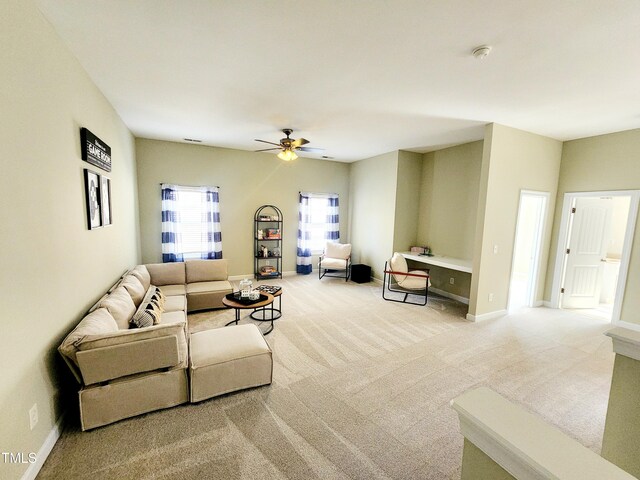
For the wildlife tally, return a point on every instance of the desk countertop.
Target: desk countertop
(441, 261)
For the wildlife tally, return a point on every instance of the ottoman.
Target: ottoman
(227, 359)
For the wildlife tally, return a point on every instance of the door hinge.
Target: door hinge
(568, 251)
(573, 210)
(562, 290)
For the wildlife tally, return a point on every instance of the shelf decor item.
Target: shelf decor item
(268, 228)
(246, 285)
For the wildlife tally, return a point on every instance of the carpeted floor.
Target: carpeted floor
(361, 390)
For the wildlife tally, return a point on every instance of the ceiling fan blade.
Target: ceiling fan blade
(267, 149)
(270, 143)
(310, 149)
(297, 143)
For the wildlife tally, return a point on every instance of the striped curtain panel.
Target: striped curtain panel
(171, 238)
(190, 223)
(333, 221)
(211, 234)
(303, 256)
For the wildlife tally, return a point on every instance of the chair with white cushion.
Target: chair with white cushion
(414, 282)
(336, 258)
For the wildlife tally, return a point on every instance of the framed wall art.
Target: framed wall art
(92, 195)
(105, 197)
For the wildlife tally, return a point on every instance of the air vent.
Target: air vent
(192, 140)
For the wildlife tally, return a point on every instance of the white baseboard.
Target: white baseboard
(377, 281)
(547, 303)
(452, 296)
(486, 316)
(45, 450)
(537, 303)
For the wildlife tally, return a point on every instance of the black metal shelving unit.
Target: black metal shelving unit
(268, 219)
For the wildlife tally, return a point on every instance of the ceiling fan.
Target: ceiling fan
(289, 146)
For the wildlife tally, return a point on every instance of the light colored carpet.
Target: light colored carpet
(361, 390)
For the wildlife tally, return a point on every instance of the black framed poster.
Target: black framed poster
(105, 204)
(92, 195)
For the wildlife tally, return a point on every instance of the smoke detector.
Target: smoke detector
(481, 52)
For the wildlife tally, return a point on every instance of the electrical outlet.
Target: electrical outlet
(33, 416)
(495, 249)
(491, 297)
(452, 281)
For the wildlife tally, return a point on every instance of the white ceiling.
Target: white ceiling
(358, 77)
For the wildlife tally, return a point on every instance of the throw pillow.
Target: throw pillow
(149, 311)
(159, 298)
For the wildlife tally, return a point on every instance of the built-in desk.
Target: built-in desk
(440, 261)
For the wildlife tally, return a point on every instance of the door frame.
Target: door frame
(563, 238)
(535, 275)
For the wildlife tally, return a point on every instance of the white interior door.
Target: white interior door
(588, 241)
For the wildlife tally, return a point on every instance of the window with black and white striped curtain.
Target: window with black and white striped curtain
(190, 223)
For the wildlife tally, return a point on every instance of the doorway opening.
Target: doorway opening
(532, 212)
(593, 252)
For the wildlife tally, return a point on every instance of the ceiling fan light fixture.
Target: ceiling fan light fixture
(287, 155)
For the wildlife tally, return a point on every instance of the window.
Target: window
(319, 212)
(190, 223)
(318, 221)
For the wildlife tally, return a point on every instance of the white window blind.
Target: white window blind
(191, 207)
(317, 227)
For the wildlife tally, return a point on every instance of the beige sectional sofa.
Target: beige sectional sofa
(125, 371)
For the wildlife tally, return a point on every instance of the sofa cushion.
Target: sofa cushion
(135, 288)
(174, 303)
(167, 273)
(206, 287)
(170, 290)
(98, 322)
(206, 270)
(120, 306)
(142, 274)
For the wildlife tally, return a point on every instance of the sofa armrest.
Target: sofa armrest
(114, 361)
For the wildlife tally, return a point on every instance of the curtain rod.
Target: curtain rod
(190, 186)
(316, 193)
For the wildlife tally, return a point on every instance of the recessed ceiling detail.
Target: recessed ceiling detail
(398, 77)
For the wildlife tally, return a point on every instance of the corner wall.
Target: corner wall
(448, 208)
(247, 180)
(53, 267)
(513, 160)
(605, 162)
(405, 230)
(372, 210)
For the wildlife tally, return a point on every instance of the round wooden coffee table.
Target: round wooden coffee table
(274, 313)
(237, 306)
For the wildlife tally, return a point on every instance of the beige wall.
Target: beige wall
(449, 200)
(247, 180)
(513, 160)
(450, 183)
(605, 162)
(405, 230)
(372, 210)
(53, 267)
